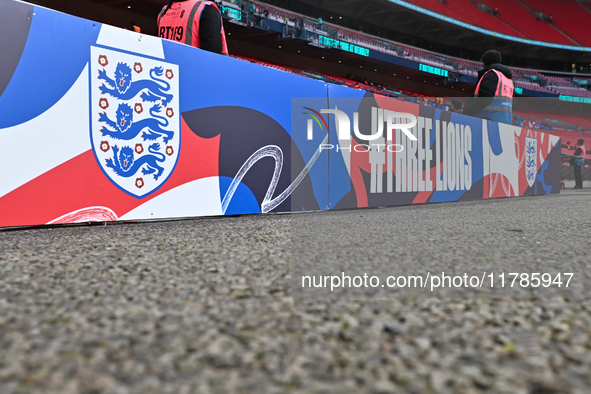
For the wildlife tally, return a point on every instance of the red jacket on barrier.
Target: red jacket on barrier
(194, 22)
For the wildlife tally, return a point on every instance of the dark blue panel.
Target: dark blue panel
(15, 22)
(57, 51)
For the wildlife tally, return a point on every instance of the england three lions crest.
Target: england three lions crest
(531, 160)
(135, 120)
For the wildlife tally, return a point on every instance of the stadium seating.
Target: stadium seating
(513, 19)
(558, 81)
(564, 122)
(571, 92)
(482, 19)
(515, 14)
(582, 122)
(564, 126)
(570, 17)
(568, 127)
(460, 8)
(466, 11)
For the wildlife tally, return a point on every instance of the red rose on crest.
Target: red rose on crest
(169, 150)
(169, 74)
(169, 112)
(103, 60)
(138, 108)
(137, 67)
(139, 149)
(105, 146)
(104, 103)
(139, 183)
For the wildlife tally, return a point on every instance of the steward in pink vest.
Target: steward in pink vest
(578, 163)
(193, 22)
(495, 83)
(580, 160)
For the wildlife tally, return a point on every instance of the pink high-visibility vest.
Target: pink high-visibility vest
(580, 160)
(505, 86)
(501, 107)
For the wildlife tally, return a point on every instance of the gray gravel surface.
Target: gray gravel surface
(485, 240)
(200, 306)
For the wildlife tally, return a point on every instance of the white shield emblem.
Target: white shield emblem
(135, 120)
(531, 160)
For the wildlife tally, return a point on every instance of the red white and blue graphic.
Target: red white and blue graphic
(135, 123)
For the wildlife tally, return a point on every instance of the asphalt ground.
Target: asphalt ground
(216, 305)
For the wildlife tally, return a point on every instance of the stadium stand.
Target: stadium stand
(569, 17)
(513, 18)
(568, 127)
(465, 10)
(517, 15)
(584, 124)
(534, 80)
(558, 81)
(541, 83)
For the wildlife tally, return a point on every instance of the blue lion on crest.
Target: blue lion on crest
(124, 89)
(126, 129)
(124, 164)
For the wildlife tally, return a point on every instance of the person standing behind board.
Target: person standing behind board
(494, 91)
(578, 163)
(193, 22)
